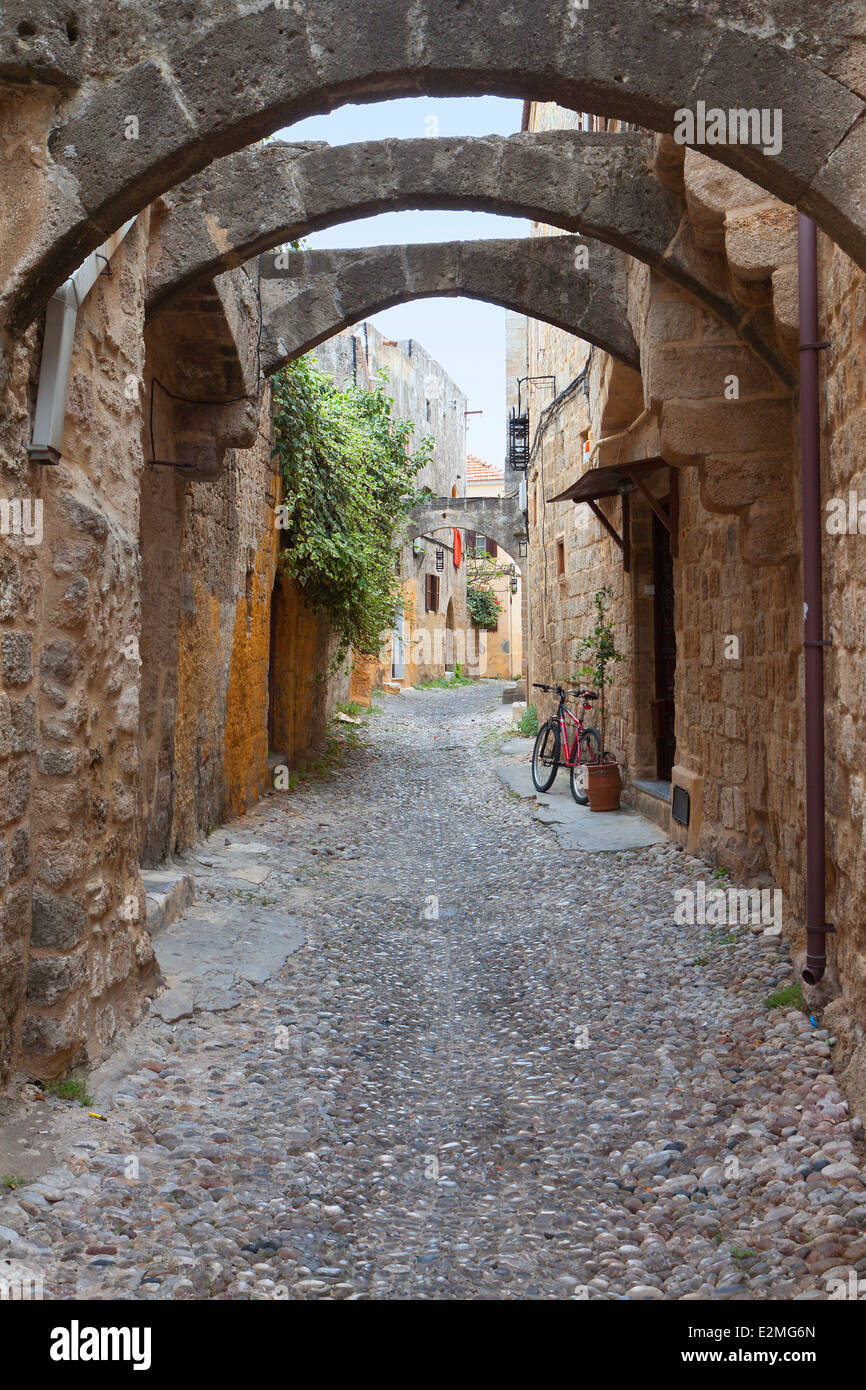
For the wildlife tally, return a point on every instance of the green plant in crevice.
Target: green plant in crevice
(71, 1087)
(349, 473)
(528, 722)
(790, 997)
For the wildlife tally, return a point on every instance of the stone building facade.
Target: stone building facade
(501, 648)
(707, 610)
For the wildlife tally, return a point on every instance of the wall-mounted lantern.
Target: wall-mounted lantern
(522, 549)
(440, 561)
(512, 570)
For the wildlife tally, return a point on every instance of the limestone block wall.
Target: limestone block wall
(843, 398)
(738, 588)
(20, 606)
(74, 679)
(135, 632)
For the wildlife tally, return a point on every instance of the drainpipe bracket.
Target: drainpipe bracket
(43, 453)
(825, 642)
(814, 347)
(828, 929)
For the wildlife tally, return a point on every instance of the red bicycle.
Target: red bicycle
(553, 740)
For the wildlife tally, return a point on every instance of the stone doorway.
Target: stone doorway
(450, 658)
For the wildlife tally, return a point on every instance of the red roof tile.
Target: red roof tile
(477, 471)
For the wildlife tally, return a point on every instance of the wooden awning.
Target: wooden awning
(623, 479)
(607, 482)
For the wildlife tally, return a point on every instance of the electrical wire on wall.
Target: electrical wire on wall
(192, 400)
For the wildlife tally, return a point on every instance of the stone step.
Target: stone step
(169, 891)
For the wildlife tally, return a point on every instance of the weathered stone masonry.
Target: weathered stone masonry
(135, 645)
(739, 717)
(69, 746)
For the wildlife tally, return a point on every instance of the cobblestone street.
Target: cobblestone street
(547, 1091)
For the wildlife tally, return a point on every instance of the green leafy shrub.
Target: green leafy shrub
(528, 723)
(348, 480)
(484, 607)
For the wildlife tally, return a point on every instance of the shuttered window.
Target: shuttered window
(432, 593)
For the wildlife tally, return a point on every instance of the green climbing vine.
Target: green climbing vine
(348, 481)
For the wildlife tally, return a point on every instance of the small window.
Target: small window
(535, 505)
(560, 559)
(429, 411)
(431, 582)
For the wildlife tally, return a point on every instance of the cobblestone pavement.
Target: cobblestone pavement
(549, 1091)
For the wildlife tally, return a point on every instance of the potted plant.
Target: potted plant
(600, 655)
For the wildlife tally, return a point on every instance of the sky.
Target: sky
(465, 335)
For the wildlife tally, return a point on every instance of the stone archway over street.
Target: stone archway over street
(320, 292)
(602, 185)
(500, 518)
(208, 89)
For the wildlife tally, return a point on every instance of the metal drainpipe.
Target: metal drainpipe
(60, 319)
(813, 602)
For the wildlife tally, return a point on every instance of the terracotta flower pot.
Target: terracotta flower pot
(603, 786)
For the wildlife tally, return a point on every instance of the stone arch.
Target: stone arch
(231, 78)
(602, 185)
(320, 292)
(500, 518)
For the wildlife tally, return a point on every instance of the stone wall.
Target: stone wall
(737, 581)
(134, 644)
(75, 677)
(843, 396)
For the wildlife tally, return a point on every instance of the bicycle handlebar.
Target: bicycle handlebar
(564, 693)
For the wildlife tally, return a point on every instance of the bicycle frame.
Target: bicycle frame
(570, 750)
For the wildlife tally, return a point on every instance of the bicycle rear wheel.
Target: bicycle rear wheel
(545, 756)
(590, 752)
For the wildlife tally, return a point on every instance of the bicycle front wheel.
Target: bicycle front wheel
(545, 756)
(590, 752)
